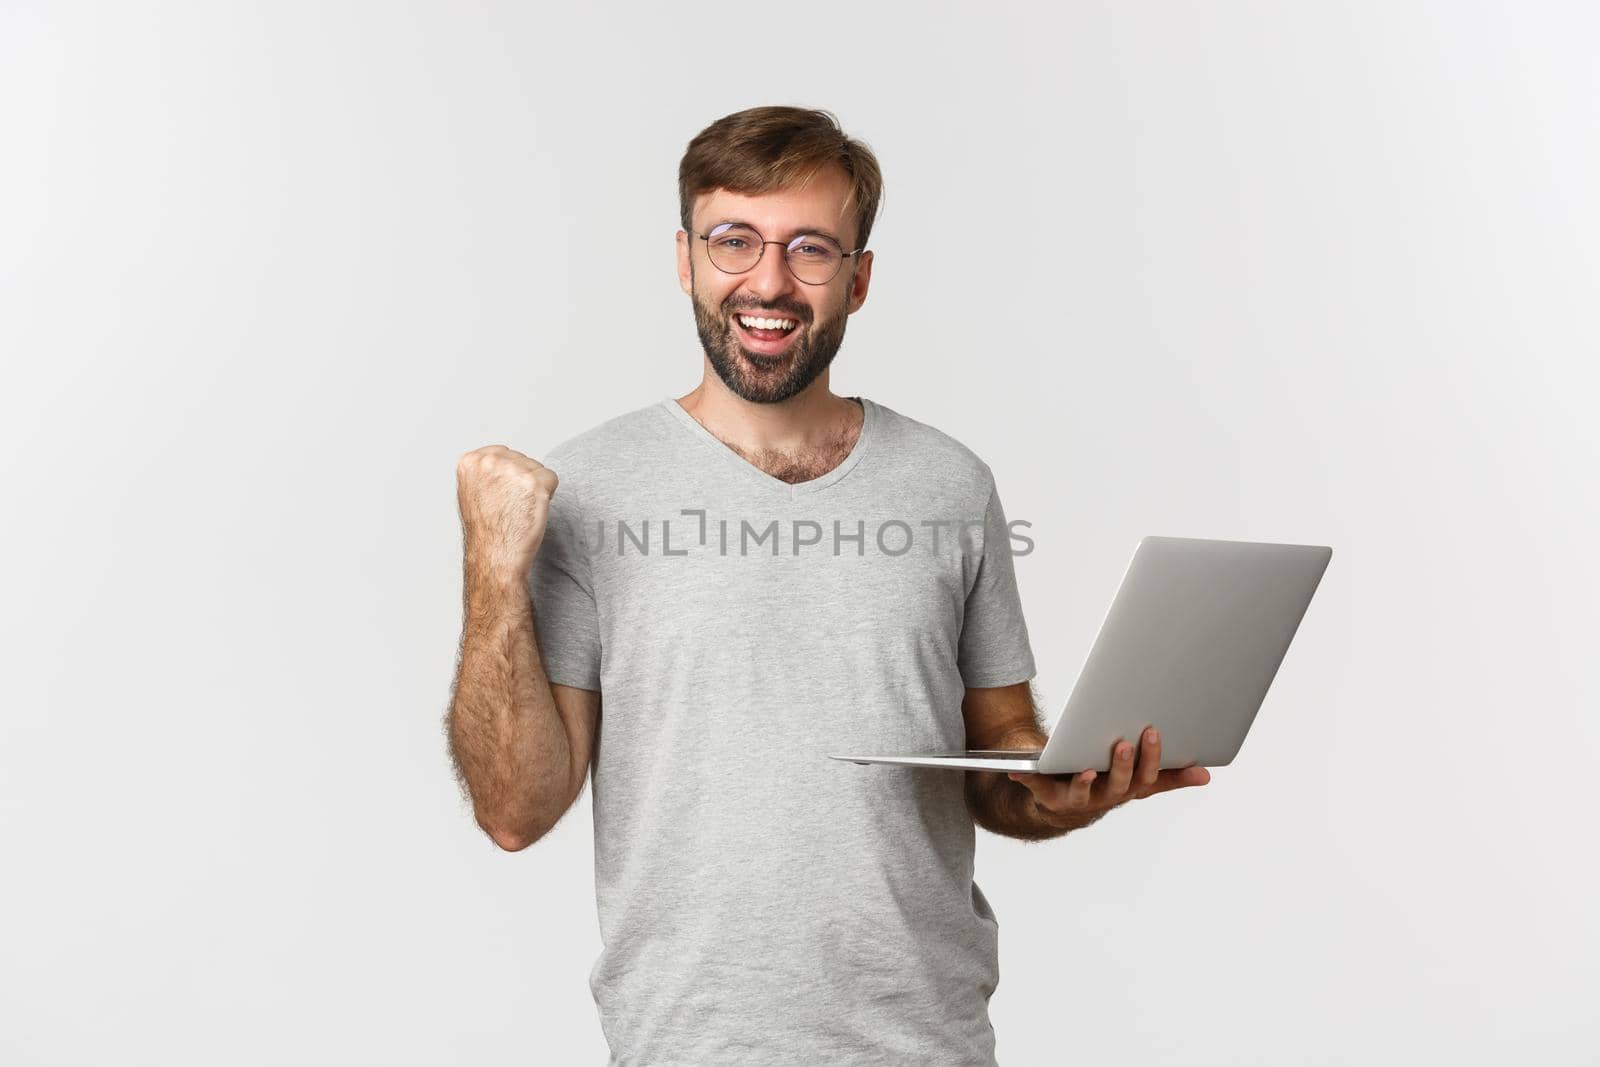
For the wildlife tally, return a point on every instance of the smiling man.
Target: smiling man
(728, 586)
(771, 310)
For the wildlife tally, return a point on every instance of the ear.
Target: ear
(685, 273)
(859, 282)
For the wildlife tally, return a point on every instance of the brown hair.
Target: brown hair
(765, 149)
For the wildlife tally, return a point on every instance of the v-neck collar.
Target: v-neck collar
(869, 429)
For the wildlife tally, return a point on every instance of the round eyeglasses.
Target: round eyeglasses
(735, 248)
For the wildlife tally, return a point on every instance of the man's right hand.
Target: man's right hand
(504, 498)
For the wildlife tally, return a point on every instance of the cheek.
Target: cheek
(710, 305)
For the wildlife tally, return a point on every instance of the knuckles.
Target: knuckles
(498, 463)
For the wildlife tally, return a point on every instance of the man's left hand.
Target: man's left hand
(1089, 794)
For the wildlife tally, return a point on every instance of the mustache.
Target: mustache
(793, 313)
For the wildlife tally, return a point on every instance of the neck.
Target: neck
(805, 421)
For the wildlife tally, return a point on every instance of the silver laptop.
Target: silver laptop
(1193, 639)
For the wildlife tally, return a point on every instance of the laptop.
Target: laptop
(1190, 645)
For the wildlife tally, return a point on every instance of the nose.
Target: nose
(770, 277)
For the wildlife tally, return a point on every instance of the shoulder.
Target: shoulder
(596, 463)
(613, 443)
(922, 447)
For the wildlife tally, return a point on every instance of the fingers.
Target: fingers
(1149, 758)
(1121, 769)
(1129, 778)
(1080, 792)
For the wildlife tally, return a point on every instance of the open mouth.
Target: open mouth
(764, 341)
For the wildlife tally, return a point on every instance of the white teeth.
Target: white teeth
(767, 324)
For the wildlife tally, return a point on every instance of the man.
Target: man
(752, 576)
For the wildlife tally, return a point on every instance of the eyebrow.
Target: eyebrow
(818, 230)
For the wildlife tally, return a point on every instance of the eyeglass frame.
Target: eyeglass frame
(762, 254)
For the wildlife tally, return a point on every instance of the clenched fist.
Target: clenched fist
(505, 504)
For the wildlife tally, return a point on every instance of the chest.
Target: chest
(790, 586)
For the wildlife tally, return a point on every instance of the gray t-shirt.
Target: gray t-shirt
(760, 903)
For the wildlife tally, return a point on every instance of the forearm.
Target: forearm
(511, 749)
(1008, 808)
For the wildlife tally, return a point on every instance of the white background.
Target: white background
(1320, 273)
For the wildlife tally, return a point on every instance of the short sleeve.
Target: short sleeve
(561, 587)
(994, 648)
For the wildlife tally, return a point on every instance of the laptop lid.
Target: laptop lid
(1190, 644)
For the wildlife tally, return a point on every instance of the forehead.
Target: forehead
(820, 205)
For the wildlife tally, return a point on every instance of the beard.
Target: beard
(767, 379)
